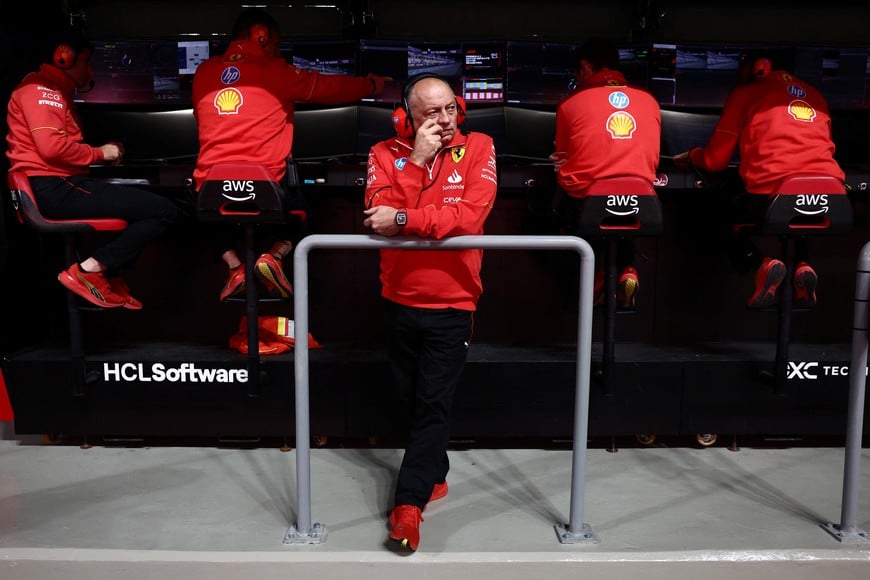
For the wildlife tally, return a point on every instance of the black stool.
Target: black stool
(612, 209)
(805, 205)
(244, 194)
(27, 211)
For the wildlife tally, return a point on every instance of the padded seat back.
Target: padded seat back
(809, 205)
(240, 193)
(620, 206)
(27, 211)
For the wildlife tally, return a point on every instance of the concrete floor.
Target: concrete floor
(186, 512)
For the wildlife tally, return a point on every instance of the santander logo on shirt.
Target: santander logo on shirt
(454, 181)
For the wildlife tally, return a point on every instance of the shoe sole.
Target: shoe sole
(401, 545)
(805, 289)
(270, 276)
(767, 295)
(76, 287)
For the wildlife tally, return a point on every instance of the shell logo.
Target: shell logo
(801, 111)
(621, 125)
(228, 101)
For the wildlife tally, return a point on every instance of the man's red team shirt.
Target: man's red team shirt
(783, 127)
(244, 103)
(607, 129)
(44, 136)
(451, 197)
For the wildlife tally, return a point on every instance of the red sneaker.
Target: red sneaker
(119, 287)
(626, 288)
(235, 283)
(805, 281)
(767, 280)
(268, 269)
(405, 527)
(92, 286)
(439, 490)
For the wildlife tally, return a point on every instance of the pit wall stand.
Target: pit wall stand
(847, 530)
(575, 531)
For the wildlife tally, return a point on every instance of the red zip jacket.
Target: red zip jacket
(244, 102)
(44, 137)
(607, 129)
(782, 126)
(452, 197)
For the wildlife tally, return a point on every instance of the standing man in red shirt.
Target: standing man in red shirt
(782, 127)
(46, 144)
(431, 181)
(243, 103)
(606, 128)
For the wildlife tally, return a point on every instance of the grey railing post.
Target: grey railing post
(303, 532)
(847, 530)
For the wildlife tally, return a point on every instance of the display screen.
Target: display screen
(483, 77)
(332, 58)
(538, 73)
(135, 72)
(841, 74)
(389, 59)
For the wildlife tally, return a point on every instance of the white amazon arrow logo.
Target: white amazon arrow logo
(623, 213)
(815, 212)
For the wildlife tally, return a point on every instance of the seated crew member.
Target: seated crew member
(433, 182)
(46, 143)
(243, 103)
(782, 127)
(606, 128)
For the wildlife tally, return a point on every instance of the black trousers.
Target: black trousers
(751, 208)
(147, 214)
(427, 351)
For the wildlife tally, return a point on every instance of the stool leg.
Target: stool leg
(77, 354)
(786, 298)
(609, 355)
(252, 309)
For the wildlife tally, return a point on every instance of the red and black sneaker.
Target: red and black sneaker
(269, 270)
(405, 527)
(805, 281)
(92, 286)
(119, 287)
(235, 283)
(769, 276)
(626, 288)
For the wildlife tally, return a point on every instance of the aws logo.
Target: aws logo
(228, 101)
(811, 200)
(245, 188)
(621, 205)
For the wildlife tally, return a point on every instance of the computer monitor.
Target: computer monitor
(702, 75)
(538, 73)
(483, 72)
(135, 72)
(386, 58)
(332, 58)
(842, 74)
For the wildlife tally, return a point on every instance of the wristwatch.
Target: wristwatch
(401, 218)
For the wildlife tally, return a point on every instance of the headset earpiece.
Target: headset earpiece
(761, 67)
(460, 110)
(260, 33)
(64, 56)
(403, 124)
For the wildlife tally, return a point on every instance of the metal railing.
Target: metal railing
(847, 530)
(575, 531)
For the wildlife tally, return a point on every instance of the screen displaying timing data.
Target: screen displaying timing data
(483, 77)
(190, 54)
(134, 72)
